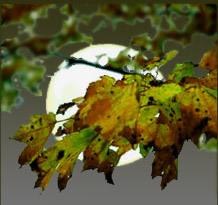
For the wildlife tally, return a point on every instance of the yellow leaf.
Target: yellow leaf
(35, 135)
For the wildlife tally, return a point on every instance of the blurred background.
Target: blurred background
(30, 33)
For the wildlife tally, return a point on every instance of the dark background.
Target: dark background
(197, 170)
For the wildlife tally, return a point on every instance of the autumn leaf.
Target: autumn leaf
(210, 91)
(210, 145)
(209, 60)
(62, 108)
(181, 71)
(61, 157)
(165, 133)
(159, 61)
(199, 106)
(35, 135)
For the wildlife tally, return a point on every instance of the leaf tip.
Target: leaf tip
(108, 177)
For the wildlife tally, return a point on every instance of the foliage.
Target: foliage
(138, 110)
(40, 46)
(14, 63)
(195, 14)
(124, 114)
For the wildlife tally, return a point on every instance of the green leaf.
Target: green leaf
(144, 151)
(61, 158)
(210, 146)
(159, 61)
(30, 76)
(181, 71)
(9, 95)
(210, 91)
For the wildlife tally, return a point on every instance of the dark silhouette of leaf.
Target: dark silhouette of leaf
(62, 108)
(60, 132)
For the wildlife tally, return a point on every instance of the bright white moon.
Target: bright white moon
(70, 83)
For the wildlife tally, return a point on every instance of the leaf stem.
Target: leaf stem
(64, 119)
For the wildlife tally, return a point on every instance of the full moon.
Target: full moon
(71, 82)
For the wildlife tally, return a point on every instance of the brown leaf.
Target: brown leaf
(62, 108)
(209, 60)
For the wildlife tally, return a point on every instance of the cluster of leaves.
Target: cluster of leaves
(138, 110)
(135, 111)
(15, 64)
(171, 13)
(139, 63)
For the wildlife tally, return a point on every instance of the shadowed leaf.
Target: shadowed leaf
(62, 108)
